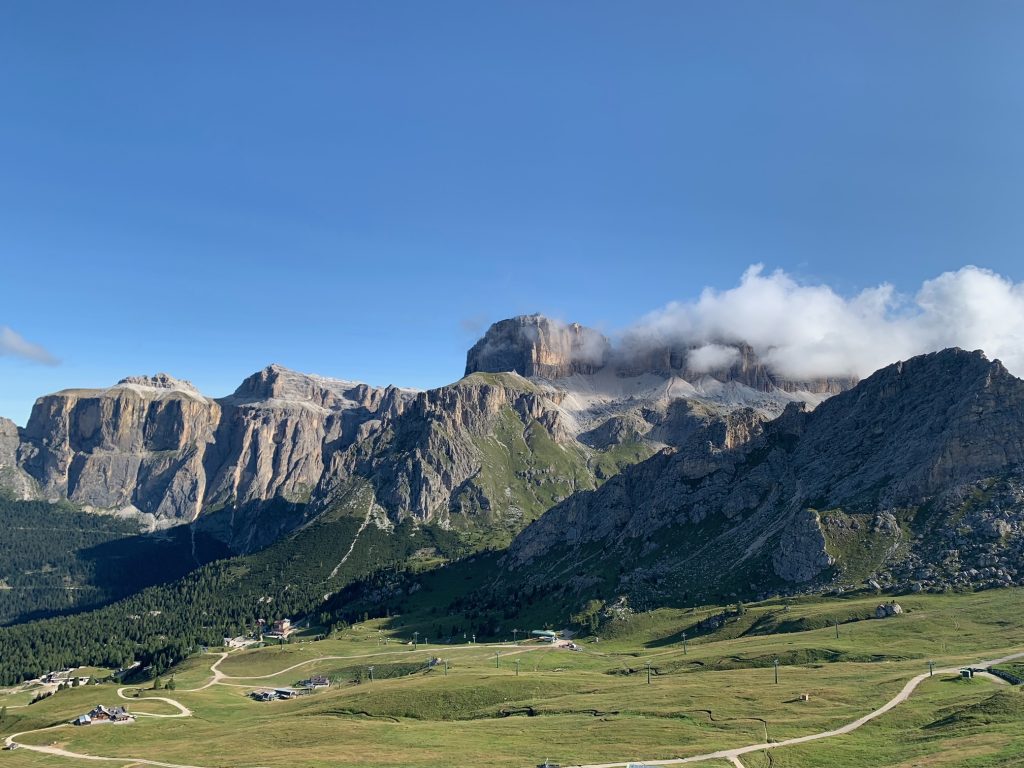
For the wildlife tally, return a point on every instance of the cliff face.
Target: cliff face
(156, 445)
(885, 480)
(14, 481)
(490, 452)
(275, 431)
(139, 443)
(533, 345)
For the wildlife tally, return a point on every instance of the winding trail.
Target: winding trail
(733, 755)
(217, 678)
(183, 711)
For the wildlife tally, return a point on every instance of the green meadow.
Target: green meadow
(638, 693)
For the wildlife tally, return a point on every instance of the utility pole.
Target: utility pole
(496, 658)
(415, 640)
(474, 639)
(931, 668)
(515, 636)
(446, 667)
(776, 663)
(517, 667)
(648, 673)
(371, 673)
(684, 643)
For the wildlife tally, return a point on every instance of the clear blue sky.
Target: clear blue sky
(356, 189)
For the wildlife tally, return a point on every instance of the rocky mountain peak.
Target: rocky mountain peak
(283, 385)
(159, 381)
(534, 345)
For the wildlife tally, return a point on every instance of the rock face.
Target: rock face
(533, 345)
(491, 452)
(158, 446)
(888, 465)
(276, 429)
(14, 481)
(139, 443)
(801, 554)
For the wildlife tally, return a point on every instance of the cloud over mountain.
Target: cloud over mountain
(806, 330)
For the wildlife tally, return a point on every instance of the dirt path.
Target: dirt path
(183, 711)
(733, 755)
(217, 675)
(218, 678)
(58, 752)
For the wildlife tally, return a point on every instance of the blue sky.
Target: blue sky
(357, 189)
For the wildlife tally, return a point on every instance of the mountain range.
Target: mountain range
(669, 471)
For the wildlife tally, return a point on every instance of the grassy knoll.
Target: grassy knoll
(595, 705)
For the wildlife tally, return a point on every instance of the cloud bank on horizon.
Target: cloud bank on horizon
(807, 331)
(14, 344)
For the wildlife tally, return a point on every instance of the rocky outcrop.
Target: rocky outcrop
(157, 446)
(885, 610)
(14, 481)
(800, 555)
(490, 448)
(137, 444)
(534, 345)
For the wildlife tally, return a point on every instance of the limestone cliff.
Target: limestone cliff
(534, 345)
(14, 481)
(490, 452)
(137, 444)
(157, 446)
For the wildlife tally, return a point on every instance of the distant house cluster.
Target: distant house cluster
(102, 714)
(279, 694)
(64, 676)
(280, 629)
(302, 688)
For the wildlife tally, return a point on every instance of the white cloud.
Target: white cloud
(712, 357)
(804, 330)
(12, 343)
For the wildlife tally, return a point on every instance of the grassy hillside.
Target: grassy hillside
(590, 706)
